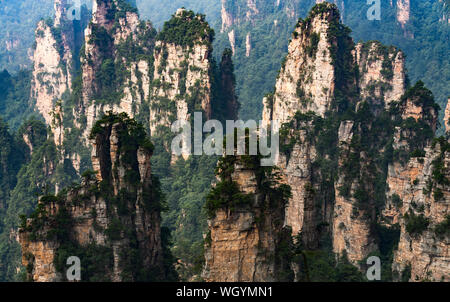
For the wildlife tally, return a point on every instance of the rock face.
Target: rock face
(244, 236)
(424, 253)
(114, 78)
(227, 17)
(115, 216)
(351, 229)
(403, 11)
(382, 73)
(298, 173)
(404, 15)
(57, 43)
(165, 73)
(308, 83)
(418, 198)
(182, 77)
(236, 13)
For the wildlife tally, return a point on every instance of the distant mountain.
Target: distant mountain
(18, 18)
(159, 11)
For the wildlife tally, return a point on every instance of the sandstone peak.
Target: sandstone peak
(325, 9)
(310, 75)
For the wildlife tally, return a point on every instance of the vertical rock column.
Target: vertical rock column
(244, 237)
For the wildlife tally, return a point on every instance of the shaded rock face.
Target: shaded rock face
(114, 215)
(228, 87)
(243, 240)
(111, 35)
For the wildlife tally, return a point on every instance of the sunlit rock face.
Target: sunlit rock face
(54, 60)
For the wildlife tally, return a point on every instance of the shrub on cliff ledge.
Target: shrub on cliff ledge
(415, 224)
(226, 194)
(187, 29)
(132, 135)
(443, 229)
